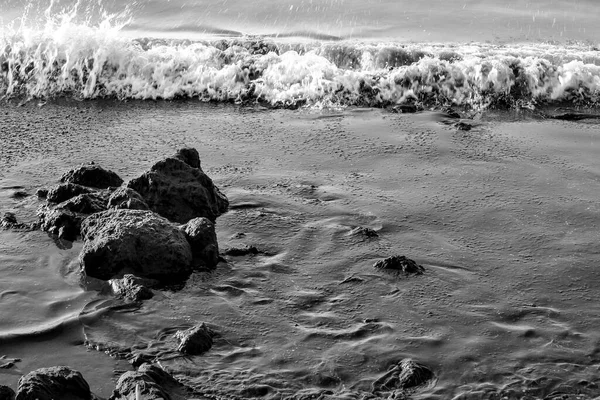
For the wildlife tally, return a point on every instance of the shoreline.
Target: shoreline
(502, 217)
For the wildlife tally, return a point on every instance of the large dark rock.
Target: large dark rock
(194, 341)
(130, 287)
(179, 190)
(399, 265)
(134, 241)
(152, 383)
(201, 235)
(6, 393)
(53, 383)
(406, 375)
(65, 191)
(126, 198)
(92, 175)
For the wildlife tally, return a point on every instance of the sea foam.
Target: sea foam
(87, 61)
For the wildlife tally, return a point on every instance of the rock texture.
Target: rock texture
(53, 383)
(195, 341)
(406, 375)
(6, 393)
(152, 383)
(179, 190)
(134, 241)
(201, 235)
(131, 287)
(126, 198)
(61, 222)
(92, 175)
(65, 191)
(398, 265)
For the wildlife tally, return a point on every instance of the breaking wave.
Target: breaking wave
(88, 61)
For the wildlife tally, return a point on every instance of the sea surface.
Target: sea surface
(464, 133)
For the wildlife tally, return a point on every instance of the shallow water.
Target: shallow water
(503, 218)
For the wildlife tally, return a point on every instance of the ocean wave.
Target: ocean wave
(88, 62)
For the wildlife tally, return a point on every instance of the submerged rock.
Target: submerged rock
(179, 190)
(406, 375)
(195, 341)
(6, 393)
(131, 287)
(53, 383)
(152, 383)
(134, 241)
(241, 251)
(9, 221)
(126, 198)
(201, 235)
(92, 175)
(399, 264)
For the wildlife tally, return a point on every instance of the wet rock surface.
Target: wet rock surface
(53, 383)
(134, 241)
(92, 175)
(6, 393)
(131, 287)
(9, 221)
(152, 383)
(399, 265)
(406, 375)
(195, 341)
(60, 222)
(179, 191)
(201, 235)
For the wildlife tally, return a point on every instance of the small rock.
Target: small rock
(195, 341)
(134, 241)
(139, 359)
(406, 375)
(58, 221)
(189, 156)
(399, 264)
(92, 175)
(366, 232)
(241, 251)
(126, 198)
(41, 193)
(201, 235)
(20, 194)
(463, 126)
(53, 383)
(6, 393)
(131, 287)
(9, 221)
(65, 191)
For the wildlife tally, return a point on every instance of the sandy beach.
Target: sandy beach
(503, 217)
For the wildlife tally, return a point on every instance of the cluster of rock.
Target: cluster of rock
(157, 226)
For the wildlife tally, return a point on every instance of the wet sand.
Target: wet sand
(503, 217)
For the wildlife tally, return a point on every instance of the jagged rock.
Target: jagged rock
(134, 241)
(58, 221)
(139, 359)
(6, 393)
(179, 191)
(131, 287)
(152, 383)
(92, 175)
(406, 375)
(201, 235)
(53, 383)
(241, 251)
(126, 198)
(85, 203)
(194, 341)
(65, 191)
(399, 264)
(9, 221)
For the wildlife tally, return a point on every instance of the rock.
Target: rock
(152, 383)
(88, 203)
(19, 194)
(362, 231)
(139, 359)
(179, 191)
(42, 193)
(399, 264)
(61, 222)
(406, 375)
(195, 341)
(9, 221)
(53, 383)
(131, 287)
(201, 235)
(92, 175)
(189, 156)
(6, 393)
(65, 191)
(126, 198)
(134, 241)
(241, 251)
